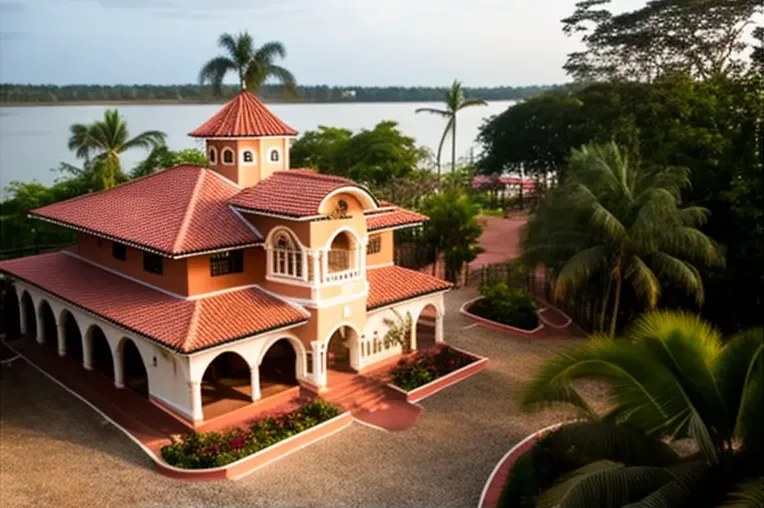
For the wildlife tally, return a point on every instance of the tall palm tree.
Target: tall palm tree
(455, 102)
(105, 140)
(614, 221)
(253, 65)
(670, 377)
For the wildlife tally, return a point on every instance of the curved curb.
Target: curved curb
(550, 306)
(487, 323)
(512, 455)
(422, 392)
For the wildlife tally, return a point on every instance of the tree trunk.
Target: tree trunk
(605, 299)
(617, 302)
(453, 145)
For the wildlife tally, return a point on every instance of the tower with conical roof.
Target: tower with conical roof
(245, 141)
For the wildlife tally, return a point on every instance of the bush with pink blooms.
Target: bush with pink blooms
(427, 366)
(198, 450)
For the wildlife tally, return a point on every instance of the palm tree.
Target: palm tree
(670, 377)
(253, 65)
(614, 222)
(105, 140)
(455, 102)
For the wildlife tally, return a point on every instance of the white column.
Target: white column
(314, 255)
(119, 371)
(413, 335)
(254, 377)
(87, 352)
(22, 316)
(325, 265)
(40, 327)
(319, 364)
(354, 344)
(61, 338)
(196, 400)
(304, 264)
(439, 328)
(362, 260)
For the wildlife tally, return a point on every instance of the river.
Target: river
(33, 140)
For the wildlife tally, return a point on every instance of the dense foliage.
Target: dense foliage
(671, 376)
(11, 93)
(712, 128)
(502, 303)
(427, 366)
(212, 449)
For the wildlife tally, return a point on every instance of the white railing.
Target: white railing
(342, 265)
(373, 349)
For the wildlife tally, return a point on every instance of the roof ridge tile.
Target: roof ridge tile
(190, 209)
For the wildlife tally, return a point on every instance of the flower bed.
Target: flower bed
(212, 449)
(427, 366)
(507, 305)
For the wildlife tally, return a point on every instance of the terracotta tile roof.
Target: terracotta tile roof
(242, 117)
(182, 325)
(397, 217)
(178, 211)
(293, 193)
(391, 284)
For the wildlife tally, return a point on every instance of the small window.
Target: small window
(248, 157)
(152, 263)
(375, 244)
(228, 156)
(274, 155)
(213, 155)
(222, 263)
(119, 251)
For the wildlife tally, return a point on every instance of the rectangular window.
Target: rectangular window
(374, 245)
(152, 263)
(222, 263)
(119, 251)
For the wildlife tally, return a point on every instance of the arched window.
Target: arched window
(274, 155)
(287, 256)
(213, 156)
(247, 157)
(227, 156)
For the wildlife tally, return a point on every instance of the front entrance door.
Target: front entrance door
(338, 351)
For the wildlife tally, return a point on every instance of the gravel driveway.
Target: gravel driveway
(56, 451)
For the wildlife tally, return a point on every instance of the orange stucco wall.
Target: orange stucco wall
(201, 281)
(174, 277)
(387, 248)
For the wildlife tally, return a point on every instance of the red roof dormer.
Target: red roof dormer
(244, 116)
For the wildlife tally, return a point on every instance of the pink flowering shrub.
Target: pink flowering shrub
(426, 366)
(198, 450)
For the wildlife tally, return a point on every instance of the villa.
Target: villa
(208, 289)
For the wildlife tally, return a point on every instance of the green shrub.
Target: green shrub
(508, 305)
(213, 449)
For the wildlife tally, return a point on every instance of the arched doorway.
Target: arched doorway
(278, 368)
(49, 331)
(72, 337)
(342, 254)
(136, 377)
(10, 319)
(30, 317)
(100, 351)
(226, 385)
(426, 326)
(338, 350)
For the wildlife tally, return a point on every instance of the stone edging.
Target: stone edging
(493, 487)
(251, 463)
(464, 309)
(436, 385)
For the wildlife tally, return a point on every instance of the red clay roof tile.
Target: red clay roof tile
(391, 284)
(180, 324)
(293, 193)
(178, 211)
(243, 116)
(397, 217)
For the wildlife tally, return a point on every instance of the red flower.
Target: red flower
(237, 443)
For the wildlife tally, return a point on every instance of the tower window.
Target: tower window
(152, 263)
(222, 263)
(274, 155)
(213, 157)
(374, 245)
(227, 156)
(247, 156)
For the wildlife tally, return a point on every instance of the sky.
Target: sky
(332, 42)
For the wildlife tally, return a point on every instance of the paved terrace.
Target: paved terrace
(57, 452)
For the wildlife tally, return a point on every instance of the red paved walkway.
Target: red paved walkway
(500, 239)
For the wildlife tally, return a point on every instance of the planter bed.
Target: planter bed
(425, 373)
(495, 325)
(232, 454)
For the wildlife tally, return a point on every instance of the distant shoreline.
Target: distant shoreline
(172, 102)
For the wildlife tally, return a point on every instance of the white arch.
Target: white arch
(368, 202)
(299, 349)
(439, 312)
(349, 324)
(357, 239)
(270, 240)
(270, 153)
